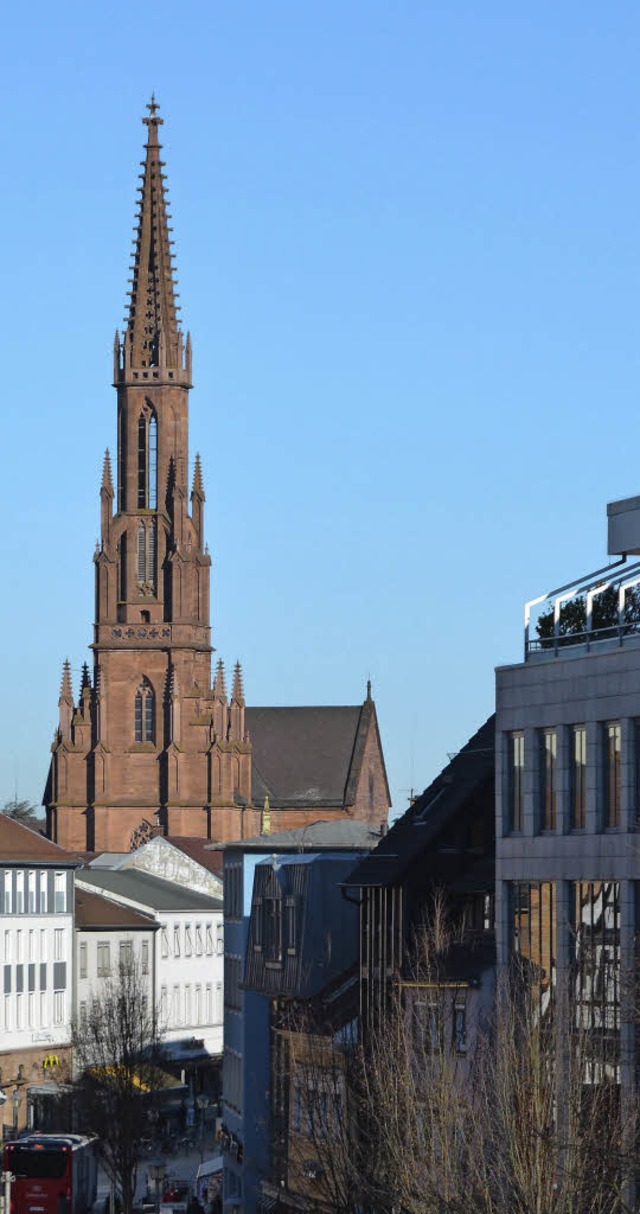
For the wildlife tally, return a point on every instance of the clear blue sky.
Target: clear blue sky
(408, 246)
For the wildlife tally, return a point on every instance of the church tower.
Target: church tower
(150, 743)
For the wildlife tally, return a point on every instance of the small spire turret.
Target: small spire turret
(107, 481)
(219, 687)
(65, 702)
(237, 694)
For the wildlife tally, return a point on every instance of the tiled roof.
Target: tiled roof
(93, 910)
(20, 843)
(141, 887)
(469, 774)
(302, 756)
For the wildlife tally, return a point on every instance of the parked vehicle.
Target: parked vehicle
(54, 1173)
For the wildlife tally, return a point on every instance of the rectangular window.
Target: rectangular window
(515, 779)
(43, 891)
(163, 1006)
(31, 1011)
(58, 1007)
(43, 944)
(273, 929)
(44, 1019)
(83, 959)
(60, 893)
(32, 946)
(19, 946)
(208, 1003)
(19, 1011)
(198, 1005)
(218, 1004)
(578, 777)
(8, 891)
(208, 940)
(290, 925)
(20, 893)
(83, 1015)
(188, 940)
(533, 917)
(233, 891)
(187, 1003)
(232, 979)
(104, 959)
(125, 954)
(58, 944)
(175, 1007)
(612, 774)
(164, 943)
(459, 1026)
(144, 956)
(7, 946)
(596, 969)
(428, 1026)
(176, 940)
(199, 948)
(220, 939)
(548, 756)
(31, 893)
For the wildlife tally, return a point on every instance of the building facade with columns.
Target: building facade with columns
(152, 743)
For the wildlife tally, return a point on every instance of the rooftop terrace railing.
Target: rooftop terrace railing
(598, 607)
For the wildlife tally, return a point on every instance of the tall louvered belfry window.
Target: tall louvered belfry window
(144, 713)
(147, 459)
(146, 556)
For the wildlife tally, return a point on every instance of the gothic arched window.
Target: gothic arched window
(146, 556)
(145, 713)
(147, 459)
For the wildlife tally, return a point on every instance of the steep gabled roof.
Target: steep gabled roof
(469, 774)
(309, 756)
(19, 843)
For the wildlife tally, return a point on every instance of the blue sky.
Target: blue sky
(408, 247)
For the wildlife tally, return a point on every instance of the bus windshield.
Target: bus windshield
(38, 1164)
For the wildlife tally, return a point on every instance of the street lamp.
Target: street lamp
(16, 1108)
(157, 1173)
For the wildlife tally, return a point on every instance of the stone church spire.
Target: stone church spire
(153, 337)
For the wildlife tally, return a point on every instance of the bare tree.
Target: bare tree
(115, 1047)
(523, 1116)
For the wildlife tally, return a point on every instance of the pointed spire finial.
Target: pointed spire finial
(66, 692)
(198, 486)
(85, 681)
(368, 690)
(238, 690)
(107, 482)
(219, 686)
(153, 334)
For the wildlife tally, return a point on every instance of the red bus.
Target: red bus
(54, 1173)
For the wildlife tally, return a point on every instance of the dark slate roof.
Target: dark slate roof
(469, 772)
(347, 834)
(141, 887)
(302, 756)
(21, 844)
(94, 911)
